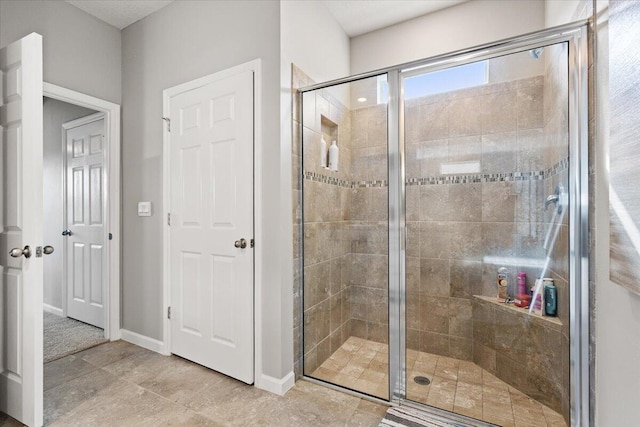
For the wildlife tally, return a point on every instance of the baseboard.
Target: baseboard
(53, 310)
(142, 341)
(277, 386)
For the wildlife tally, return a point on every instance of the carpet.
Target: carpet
(64, 336)
(409, 417)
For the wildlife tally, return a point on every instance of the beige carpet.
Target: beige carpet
(64, 336)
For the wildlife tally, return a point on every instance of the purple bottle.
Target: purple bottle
(522, 283)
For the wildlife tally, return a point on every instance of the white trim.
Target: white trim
(277, 386)
(53, 310)
(82, 121)
(143, 341)
(257, 222)
(256, 67)
(112, 195)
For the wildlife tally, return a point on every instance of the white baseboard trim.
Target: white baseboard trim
(277, 386)
(142, 341)
(53, 310)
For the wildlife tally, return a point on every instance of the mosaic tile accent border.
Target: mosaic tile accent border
(316, 177)
(449, 179)
(369, 184)
(557, 168)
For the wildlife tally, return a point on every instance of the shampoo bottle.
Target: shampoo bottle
(537, 297)
(323, 153)
(522, 283)
(333, 156)
(550, 299)
(503, 283)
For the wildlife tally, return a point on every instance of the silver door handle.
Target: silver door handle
(67, 233)
(48, 250)
(17, 252)
(242, 243)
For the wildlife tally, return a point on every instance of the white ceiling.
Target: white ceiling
(120, 13)
(355, 16)
(359, 16)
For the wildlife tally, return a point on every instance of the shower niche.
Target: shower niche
(442, 183)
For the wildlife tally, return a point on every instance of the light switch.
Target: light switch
(144, 208)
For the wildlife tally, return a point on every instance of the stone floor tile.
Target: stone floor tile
(67, 396)
(118, 384)
(65, 369)
(7, 421)
(110, 352)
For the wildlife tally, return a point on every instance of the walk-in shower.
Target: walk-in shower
(443, 231)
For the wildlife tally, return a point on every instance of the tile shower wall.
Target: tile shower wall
(326, 311)
(461, 229)
(368, 281)
(457, 224)
(345, 227)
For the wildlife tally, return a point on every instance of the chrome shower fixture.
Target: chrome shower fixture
(558, 198)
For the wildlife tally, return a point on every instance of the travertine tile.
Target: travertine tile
(65, 369)
(183, 393)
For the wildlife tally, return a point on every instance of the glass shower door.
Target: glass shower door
(486, 178)
(345, 236)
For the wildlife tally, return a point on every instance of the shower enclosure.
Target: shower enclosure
(422, 186)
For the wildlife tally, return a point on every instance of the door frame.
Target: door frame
(65, 223)
(256, 67)
(111, 198)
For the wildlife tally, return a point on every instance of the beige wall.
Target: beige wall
(80, 52)
(458, 27)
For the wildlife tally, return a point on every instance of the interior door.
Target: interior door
(85, 249)
(21, 233)
(211, 229)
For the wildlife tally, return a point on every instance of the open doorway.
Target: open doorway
(73, 183)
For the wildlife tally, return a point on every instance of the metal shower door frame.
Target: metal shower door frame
(575, 35)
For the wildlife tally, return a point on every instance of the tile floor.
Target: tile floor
(459, 386)
(120, 384)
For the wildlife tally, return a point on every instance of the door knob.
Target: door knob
(17, 252)
(48, 250)
(67, 233)
(242, 243)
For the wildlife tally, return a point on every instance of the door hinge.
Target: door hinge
(168, 120)
(168, 312)
(169, 219)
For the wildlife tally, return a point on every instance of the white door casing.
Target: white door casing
(211, 208)
(111, 113)
(21, 213)
(85, 215)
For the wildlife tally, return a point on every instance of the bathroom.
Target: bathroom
(473, 165)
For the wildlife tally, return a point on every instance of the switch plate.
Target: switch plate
(144, 208)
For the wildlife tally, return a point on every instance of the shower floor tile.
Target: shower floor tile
(456, 385)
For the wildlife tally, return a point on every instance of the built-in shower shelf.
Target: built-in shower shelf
(548, 321)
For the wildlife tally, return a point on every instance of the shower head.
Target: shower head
(536, 53)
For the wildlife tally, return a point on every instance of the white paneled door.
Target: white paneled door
(21, 230)
(84, 233)
(211, 225)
